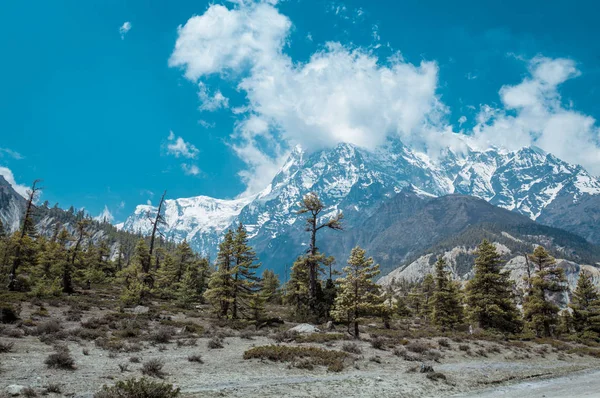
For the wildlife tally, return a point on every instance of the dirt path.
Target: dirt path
(585, 384)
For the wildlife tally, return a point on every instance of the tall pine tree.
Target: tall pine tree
(245, 281)
(358, 295)
(220, 284)
(490, 300)
(446, 307)
(540, 313)
(585, 304)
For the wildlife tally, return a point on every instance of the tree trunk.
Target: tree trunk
(157, 220)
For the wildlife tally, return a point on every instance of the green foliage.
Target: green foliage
(446, 308)
(358, 294)
(142, 388)
(540, 313)
(490, 300)
(270, 287)
(585, 304)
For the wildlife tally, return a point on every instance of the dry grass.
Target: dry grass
(334, 360)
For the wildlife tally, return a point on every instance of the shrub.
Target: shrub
(133, 388)
(407, 356)
(61, 359)
(319, 338)
(352, 348)
(49, 327)
(14, 333)
(464, 347)
(195, 358)
(153, 368)
(52, 388)
(162, 335)
(444, 343)
(378, 343)
(85, 352)
(417, 346)
(214, 343)
(134, 359)
(6, 347)
(123, 367)
(28, 392)
(334, 360)
(436, 376)
(285, 336)
(8, 314)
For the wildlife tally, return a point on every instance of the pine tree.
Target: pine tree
(540, 313)
(2, 231)
(166, 277)
(585, 304)
(245, 281)
(184, 256)
(490, 300)
(220, 285)
(358, 295)
(446, 308)
(270, 286)
(312, 205)
(427, 289)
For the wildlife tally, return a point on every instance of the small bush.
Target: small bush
(8, 314)
(53, 388)
(464, 347)
(14, 333)
(352, 348)
(444, 343)
(215, 343)
(334, 360)
(29, 392)
(85, 352)
(162, 335)
(285, 336)
(142, 388)
(319, 338)
(407, 356)
(123, 367)
(134, 359)
(61, 359)
(378, 343)
(195, 358)
(417, 346)
(436, 376)
(49, 327)
(6, 347)
(153, 368)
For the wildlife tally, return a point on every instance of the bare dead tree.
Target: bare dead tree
(158, 220)
(312, 205)
(27, 225)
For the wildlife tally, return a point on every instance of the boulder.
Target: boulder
(305, 328)
(14, 390)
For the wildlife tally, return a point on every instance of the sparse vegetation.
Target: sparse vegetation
(334, 360)
(195, 358)
(143, 387)
(60, 359)
(154, 368)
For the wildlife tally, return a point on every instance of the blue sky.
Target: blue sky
(111, 117)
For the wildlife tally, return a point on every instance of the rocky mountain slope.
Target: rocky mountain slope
(358, 181)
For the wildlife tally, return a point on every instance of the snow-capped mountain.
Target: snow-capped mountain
(357, 181)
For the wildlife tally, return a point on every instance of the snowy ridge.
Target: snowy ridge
(356, 181)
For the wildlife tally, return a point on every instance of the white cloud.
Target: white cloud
(105, 215)
(533, 114)
(10, 153)
(126, 27)
(190, 169)
(10, 178)
(348, 94)
(462, 120)
(180, 148)
(122, 205)
(210, 102)
(340, 94)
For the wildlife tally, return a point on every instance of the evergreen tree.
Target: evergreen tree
(2, 231)
(297, 294)
(358, 294)
(446, 308)
(490, 300)
(184, 256)
(585, 304)
(270, 286)
(427, 289)
(220, 284)
(312, 205)
(245, 281)
(540, 313)
(166, 277)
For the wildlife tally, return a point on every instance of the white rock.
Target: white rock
(305, 328)
(14, 390)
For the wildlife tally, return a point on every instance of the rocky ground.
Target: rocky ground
(107, 346)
